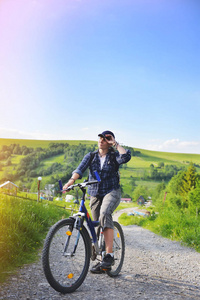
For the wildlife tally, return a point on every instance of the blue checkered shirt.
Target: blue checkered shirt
(108, 174)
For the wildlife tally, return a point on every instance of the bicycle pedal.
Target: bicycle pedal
(106, 269)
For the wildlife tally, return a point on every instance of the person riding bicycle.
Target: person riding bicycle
(106, 195)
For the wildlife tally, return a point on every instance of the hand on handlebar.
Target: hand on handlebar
(66, 187)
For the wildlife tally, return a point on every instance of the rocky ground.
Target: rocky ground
(154, 268)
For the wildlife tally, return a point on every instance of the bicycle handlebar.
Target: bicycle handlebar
(80, 185)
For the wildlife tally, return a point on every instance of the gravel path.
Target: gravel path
(154, 268)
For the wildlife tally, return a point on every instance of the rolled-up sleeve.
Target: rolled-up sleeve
(123, 158)
(83, 166)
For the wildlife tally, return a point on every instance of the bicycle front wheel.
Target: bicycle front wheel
(66, 256)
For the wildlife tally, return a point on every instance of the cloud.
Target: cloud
(8, 133)
(175, 145)
(80, 134)
(85, 129)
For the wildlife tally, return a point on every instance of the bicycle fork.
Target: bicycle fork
(78, 225)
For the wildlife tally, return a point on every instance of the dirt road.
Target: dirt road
(154, 268)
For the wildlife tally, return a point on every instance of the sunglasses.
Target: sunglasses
(108, 138)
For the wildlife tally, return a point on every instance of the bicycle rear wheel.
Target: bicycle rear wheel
(118, 250)
(66, 256)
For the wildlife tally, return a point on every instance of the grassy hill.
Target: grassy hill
(169, 157)
(40, 143)
(139, 168)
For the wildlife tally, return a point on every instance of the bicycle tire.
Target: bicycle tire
(118, 250)
(66, 272)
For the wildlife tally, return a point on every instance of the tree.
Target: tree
(155, 174)
(194, 198)
(4, 148)
(21, 172)
(161, 164)
(8, 162)
(33, 173)
(182, 184)
(176, 182)
(7, 176)
(122, 189)
(125, 166)
(25, 151)
(159, 188)
(140, 190)
(17, 150)
(189, 180)
(132, 183)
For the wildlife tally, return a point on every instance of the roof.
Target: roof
(6, 183)
(141, 198)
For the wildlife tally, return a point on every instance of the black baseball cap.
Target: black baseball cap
(104, 133)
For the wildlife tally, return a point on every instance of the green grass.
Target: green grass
(126, 220)
(170, 223)
(23, 224)
(169, 157)
(41, 143)
(46, 163)
(49, 161)
(126, 205)
(29, 196)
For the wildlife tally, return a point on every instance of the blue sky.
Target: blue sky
(70, 69)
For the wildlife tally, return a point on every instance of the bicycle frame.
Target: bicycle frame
(83, 213)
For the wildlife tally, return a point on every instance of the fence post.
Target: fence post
(39, 180)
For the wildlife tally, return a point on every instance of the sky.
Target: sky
(70, 69)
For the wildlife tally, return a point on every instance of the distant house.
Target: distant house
(126, 200)
(9, 187)
(69, 198)
(48, 193)
(141, 200)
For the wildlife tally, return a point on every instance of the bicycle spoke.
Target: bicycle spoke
(66, 258)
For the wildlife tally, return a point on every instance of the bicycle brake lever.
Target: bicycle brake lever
(60, 184)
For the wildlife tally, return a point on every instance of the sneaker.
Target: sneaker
(97, 269)
(107, 262)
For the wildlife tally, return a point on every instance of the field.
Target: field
(40, 143)
(169, 157)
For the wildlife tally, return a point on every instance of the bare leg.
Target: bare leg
(109, 236)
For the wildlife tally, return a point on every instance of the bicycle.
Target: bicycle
(69, 246)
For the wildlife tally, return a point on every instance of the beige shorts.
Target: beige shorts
(103, 207)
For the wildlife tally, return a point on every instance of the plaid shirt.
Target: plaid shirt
(108, 174)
